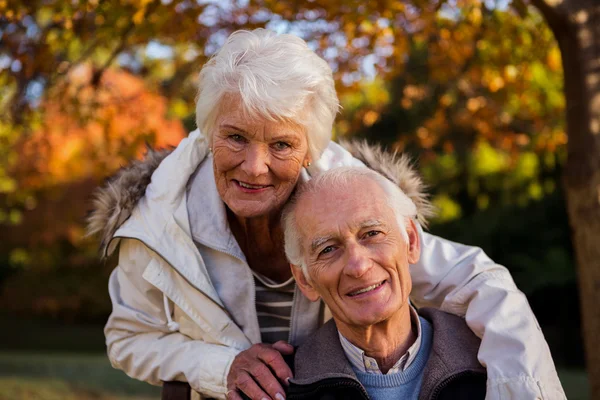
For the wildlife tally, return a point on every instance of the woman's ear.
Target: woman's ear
(414, 242)
(305, 287)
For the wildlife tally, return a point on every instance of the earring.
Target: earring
(308, 164)
(210, 149)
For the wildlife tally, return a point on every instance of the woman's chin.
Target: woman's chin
(251, 209)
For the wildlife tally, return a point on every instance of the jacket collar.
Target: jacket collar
(160, 219)
(164, 202)
(207, 213)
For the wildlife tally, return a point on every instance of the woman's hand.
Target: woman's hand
(259, 371)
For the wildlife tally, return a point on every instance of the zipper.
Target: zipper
(325, 384)
(438, 389)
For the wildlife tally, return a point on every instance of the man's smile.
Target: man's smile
(365, 289)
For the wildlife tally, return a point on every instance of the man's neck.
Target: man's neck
(386, 341)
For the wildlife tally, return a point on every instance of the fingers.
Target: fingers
(263, 375)
(275, 361)
(283, 347)
(259, 371)
(233, 395)
(246, 384)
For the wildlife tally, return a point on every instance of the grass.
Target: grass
(67, 376)
(575, 383)
(48, 389)
(49, 336)
(35, 376)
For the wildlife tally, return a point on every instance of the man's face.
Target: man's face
(357, 258)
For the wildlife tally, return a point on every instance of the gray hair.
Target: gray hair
(277, 77)
(338, 178)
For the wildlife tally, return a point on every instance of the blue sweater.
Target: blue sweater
(404, 384)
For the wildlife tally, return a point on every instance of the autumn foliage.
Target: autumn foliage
(90, 131)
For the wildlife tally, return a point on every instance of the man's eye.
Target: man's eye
(281, 146)
(372, 233)
(326, 250)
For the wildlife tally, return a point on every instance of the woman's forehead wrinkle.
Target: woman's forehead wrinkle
(233, 126)
(257, 128)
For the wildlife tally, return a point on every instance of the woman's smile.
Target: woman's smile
(250, 187)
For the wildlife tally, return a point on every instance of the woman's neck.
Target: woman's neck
(261, 241)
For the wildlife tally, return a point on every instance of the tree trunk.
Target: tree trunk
(576, 26)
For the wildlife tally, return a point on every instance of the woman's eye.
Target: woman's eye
(281, 146)
(237, 138)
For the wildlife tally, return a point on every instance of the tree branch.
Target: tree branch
(123, 43)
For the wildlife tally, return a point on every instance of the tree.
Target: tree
(576, 26)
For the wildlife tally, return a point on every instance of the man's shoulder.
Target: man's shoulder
(320, 354)
(452, 370)
(449, 328)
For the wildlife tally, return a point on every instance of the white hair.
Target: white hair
(338, 179)
(277, 77)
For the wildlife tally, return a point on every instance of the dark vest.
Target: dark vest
(322, 371)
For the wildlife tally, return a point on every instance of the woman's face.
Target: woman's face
(257, 162)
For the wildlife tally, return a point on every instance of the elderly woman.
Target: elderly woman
(203, 292)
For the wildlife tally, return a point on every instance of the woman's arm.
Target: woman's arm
(139, 341)
(463, 280)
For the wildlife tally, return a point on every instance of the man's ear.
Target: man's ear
(414, 242)
(305, 287)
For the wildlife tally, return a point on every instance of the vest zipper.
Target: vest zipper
(442, 385)
(338, 383)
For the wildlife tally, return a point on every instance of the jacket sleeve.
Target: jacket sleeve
(138, 338)
(464, 281)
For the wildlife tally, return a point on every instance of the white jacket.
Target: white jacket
(183, 298)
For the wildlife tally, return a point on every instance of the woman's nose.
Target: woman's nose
(256, 162)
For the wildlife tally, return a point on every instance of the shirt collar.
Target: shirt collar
(365, 364)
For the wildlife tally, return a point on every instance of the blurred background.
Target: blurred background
(472, 89)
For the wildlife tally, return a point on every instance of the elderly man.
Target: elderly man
(351, 237)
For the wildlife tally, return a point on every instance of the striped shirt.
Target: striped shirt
(363, 363)
(274, 307)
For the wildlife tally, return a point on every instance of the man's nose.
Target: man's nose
(256, 162)
(358, 261)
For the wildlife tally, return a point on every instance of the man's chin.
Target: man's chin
(370, 317)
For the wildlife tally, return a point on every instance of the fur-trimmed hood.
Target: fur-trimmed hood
(113, 203)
